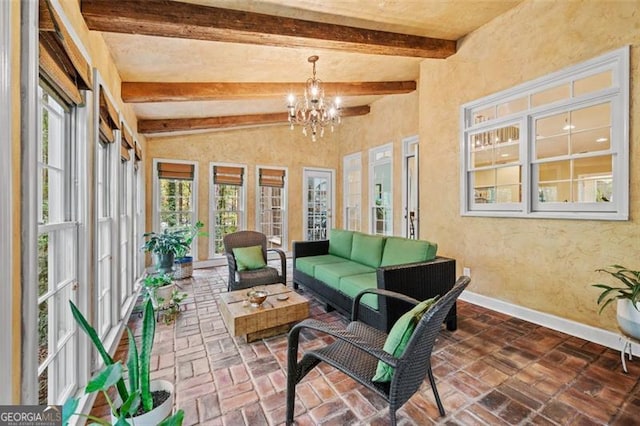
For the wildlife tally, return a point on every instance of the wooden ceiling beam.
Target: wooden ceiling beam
(210, 123)
(192, 21)
(133, 92)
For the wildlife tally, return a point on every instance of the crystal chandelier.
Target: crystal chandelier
(313, 115)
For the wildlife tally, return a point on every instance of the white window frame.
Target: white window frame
(125, 232)
(373, 162)
(283, 209)
(617, 62)
(346, 170)
(139, 209)
(105, 226)
(156, 195)
(63, 231)
(7, 355)
(242, 225)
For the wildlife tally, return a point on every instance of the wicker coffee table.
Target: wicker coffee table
(273, 317)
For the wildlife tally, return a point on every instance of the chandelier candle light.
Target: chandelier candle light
(313, 113)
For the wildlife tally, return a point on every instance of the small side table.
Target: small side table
(627, 342)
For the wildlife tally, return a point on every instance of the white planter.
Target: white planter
(628, 318)
(158, 414)
(165, 293)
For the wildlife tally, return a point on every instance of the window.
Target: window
(175, 192)
(556, 147)
(57, 250)
(381, 190)
(106, 157)
(271, 211)
(138, 212)
(227, 203)
(352, 175)
(126, 247)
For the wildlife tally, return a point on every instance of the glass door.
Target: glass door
(318, 204)
(411, 190)
(381, 190)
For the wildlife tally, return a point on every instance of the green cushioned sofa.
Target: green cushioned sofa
(337, 269)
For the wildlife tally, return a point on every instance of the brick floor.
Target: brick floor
(494, 370)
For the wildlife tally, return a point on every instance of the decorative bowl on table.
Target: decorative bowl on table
(257, 297)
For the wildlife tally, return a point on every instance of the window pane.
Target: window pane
(592, 83)
(480, 115)
(550, 95)
(513, 106)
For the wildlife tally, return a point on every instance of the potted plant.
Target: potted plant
(143, 402)
(627, 296)
(158, 288)
(165, 245)
(183, 262)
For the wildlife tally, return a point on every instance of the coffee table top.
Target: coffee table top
(242, 318)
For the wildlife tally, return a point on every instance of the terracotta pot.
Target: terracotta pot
(628, 318)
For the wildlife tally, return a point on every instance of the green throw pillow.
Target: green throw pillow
(249, 258)
(399, 337)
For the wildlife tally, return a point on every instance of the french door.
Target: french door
(318, 203)
(410, 193)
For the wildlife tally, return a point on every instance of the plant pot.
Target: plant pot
(165, 262)
(628, 318)
(183, 268)
(155, 416)
(163, 292)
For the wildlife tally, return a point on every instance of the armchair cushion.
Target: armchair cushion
(367, 249)
(249, 258)
(398, 251)
(399, 337)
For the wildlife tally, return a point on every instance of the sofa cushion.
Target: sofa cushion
(340, 242)
(249, 258)
(367, 249)
(331, 273)
(398, 251)
(354, 284)
(399, 337)
(308, 264)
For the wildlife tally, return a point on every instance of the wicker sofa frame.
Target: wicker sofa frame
(418, 280)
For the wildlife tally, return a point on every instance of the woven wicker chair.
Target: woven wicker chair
(357, 349)
(246, 279)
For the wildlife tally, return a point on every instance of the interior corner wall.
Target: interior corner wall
(543, 264)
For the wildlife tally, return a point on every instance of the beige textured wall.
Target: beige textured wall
(545, 265)
(264, 146)
(279, 146)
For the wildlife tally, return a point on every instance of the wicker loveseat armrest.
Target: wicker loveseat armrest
(421, 280)
(283, 262)
(338, 333)
(382, 292)
(310, 248)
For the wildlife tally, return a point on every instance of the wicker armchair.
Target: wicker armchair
(357, 349)
(246, 279)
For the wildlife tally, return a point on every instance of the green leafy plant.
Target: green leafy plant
(138, 366)
(629, 290)
(152, 283)
(189, 233)
(165, 242)
(171, 312)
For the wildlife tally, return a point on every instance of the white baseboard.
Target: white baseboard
(600, 336)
